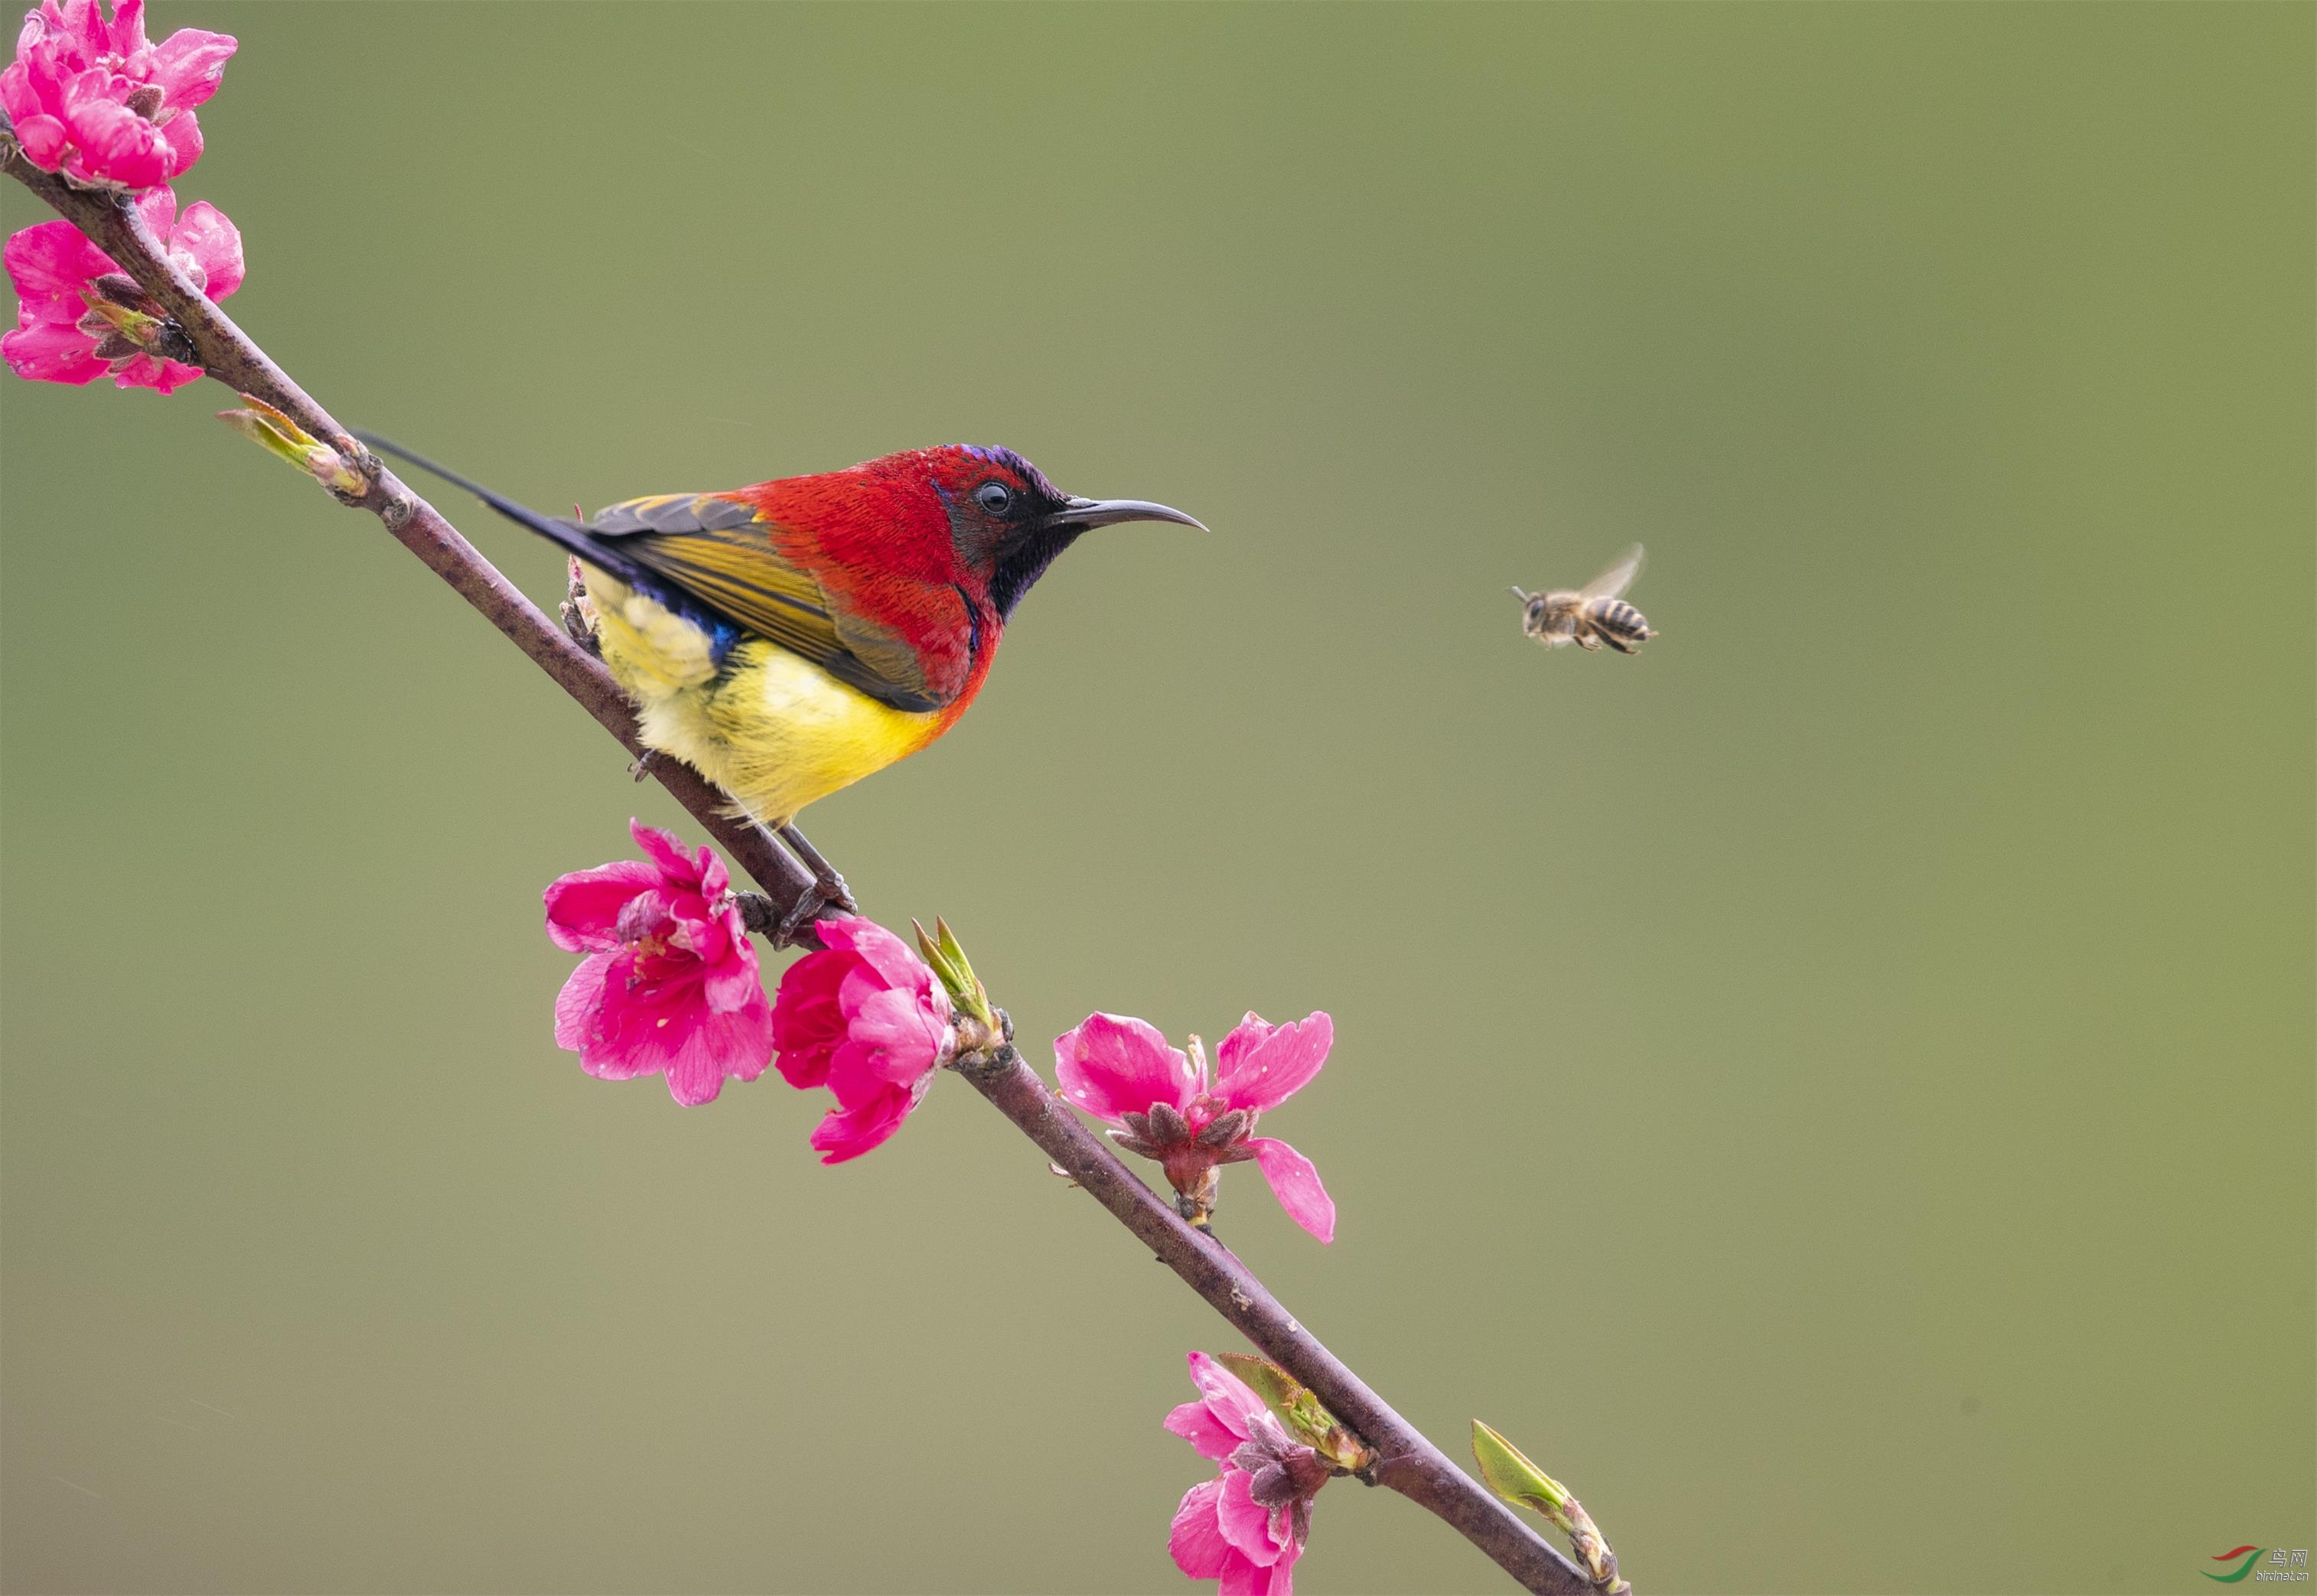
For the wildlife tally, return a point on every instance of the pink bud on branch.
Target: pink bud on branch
(866, 1018)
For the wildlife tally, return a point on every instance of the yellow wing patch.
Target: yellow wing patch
(717, 550)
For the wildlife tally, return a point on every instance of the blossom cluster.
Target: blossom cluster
(90, 99)
(669, 985)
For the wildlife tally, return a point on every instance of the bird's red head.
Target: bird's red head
(974, 516)
(933, 547)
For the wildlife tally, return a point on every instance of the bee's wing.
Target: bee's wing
(1612, 582)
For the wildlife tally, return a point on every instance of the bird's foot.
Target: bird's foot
(641, 765)
(783, 927)
(788, 928)
(811, 902)
(828, 886)
(578, 613)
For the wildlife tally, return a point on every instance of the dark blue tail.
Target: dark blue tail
(570, 536)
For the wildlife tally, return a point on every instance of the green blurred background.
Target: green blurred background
(1835, 1088)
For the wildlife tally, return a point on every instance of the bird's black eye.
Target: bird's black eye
(994, 498)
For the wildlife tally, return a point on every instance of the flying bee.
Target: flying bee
(1595, 614)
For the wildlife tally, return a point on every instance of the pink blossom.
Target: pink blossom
(865, 1018)
(669, 983)
(1123, 1070)
(1247, 1526)
(95, 100)
(80, 317)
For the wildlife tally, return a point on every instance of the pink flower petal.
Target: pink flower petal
(677, 863)
(188, 65)
(85, 23)
(1234, 1406)
(583, 908)
(44, 139)
(807, 1026)
(1197, 1539)
(16, 95)
(115, 145)
(214, 244)
(638, 1027)
(1207, 1434)
(1111, 1065)
(52, 351)
(1246, 1524)
(641, 1031)
(893, 961)
(582, 992)
(126, 37)
(1244, 1577)
(1251, 1029)
(575, 1011)
(1282, 1573)
(1273, 1062)
(181, 144)
(52, 261)
(856, 1075)
(715, 881)
(159, 210)
(902, 1037)
(693, 1075)
(1296, 1183)
(849, 1133)
(737, 1046)
(729, 982)
(162, 376)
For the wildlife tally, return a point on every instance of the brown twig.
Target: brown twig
(1408, 1463)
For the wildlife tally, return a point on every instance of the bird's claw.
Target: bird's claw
(827, 885)
(578, 613)
(833, 891)
(808, 907)
(641, 765)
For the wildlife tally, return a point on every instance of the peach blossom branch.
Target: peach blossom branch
(1408, 1463)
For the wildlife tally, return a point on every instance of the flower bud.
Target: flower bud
(1294, 1404)
(946, 956)
(284, 439)
(121, 289)
(1511, 1475)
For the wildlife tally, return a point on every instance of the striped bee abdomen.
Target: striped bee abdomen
(1617, 623)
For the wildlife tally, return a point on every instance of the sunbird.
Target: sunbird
(787, 638)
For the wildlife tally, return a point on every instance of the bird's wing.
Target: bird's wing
(1612, 582)
(719, 551)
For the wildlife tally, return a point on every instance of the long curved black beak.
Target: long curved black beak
(1102, 512)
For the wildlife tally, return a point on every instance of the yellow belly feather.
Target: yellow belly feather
(771, 728)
